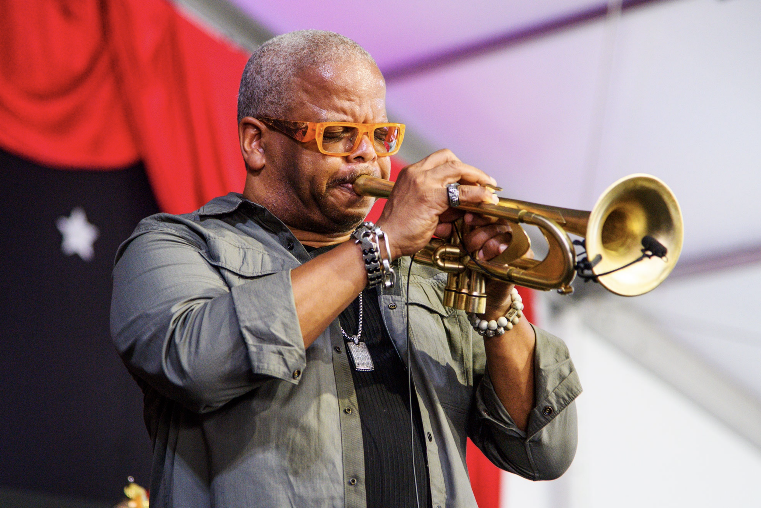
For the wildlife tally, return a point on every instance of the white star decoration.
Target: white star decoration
(78, 234)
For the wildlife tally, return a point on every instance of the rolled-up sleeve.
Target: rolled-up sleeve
(547, 447)
(181, 328)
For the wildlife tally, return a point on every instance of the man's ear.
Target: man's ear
(250, 136)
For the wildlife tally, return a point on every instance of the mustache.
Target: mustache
(349, 178)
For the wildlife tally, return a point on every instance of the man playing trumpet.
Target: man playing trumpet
(289, 353)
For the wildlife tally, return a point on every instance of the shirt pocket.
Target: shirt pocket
(441, 337)
(238, 262)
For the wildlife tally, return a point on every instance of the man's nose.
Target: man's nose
(364, 149)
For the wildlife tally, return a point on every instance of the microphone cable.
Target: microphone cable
(409, 382)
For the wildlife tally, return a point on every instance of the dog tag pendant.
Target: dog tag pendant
(363, 362)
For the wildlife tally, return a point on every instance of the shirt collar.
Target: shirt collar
(233, 201)
(225, 204)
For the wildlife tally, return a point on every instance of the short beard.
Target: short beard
(341, 222)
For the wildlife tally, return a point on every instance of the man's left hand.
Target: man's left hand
(485, 238)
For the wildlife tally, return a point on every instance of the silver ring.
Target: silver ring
(453, 194)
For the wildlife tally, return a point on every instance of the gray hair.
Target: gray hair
(265, 87)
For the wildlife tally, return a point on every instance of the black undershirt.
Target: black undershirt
(395, 464)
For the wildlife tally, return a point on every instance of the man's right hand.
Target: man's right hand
(418, 207)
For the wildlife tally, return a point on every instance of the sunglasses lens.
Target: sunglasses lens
(386, 139)
(337, 139)
(341, 139)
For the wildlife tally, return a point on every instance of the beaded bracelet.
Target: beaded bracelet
(495, 328)
(378, 268)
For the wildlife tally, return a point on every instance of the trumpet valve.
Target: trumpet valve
(470, 292)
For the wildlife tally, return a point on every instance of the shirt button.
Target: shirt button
(392, 306)
(337, 349)
(352, 481)
(348, 410)
(547, 411)
(296, 374)
(290, 245)
(430, 437)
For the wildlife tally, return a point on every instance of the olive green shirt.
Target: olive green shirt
(242, 415)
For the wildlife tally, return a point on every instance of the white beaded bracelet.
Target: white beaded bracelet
(496, 327)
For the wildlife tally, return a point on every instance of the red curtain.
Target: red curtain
(104, 83)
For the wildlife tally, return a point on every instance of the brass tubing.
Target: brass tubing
(555, 271)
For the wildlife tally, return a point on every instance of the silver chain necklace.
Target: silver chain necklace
(358, 336)
(357, 347)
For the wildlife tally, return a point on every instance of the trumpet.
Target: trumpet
(632, 239)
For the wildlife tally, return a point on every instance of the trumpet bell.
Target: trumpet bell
(630, 209)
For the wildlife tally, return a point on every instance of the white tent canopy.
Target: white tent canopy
(557, 100)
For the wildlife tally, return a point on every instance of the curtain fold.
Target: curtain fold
(60, 103)
(105, 83)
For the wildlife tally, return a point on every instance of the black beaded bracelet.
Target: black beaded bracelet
(378, 269)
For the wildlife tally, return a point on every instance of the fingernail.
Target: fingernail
(502, 248)
(495, 199)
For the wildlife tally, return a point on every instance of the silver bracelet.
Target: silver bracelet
(497, 327)
(378, 268)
